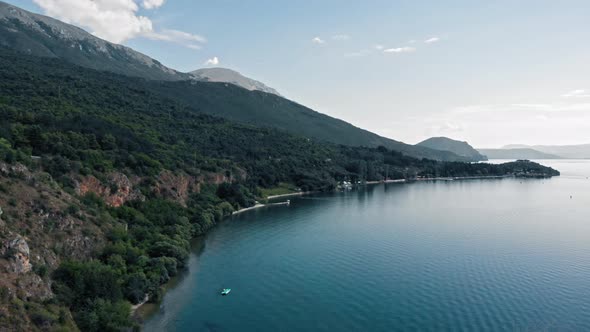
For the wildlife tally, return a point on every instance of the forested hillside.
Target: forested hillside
(271, 111)
(38, 35)
(114, 178)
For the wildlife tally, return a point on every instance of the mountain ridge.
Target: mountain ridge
(460, 148)
(226, 75)
(268, 110)
(518, 153)
(45, 36)
(575, 151)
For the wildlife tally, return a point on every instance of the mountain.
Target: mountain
(225, 75)
(39, 35)
(581, 151)
(268, 110)
(519, 153)
(459, 148)
(43, 36)
(125, 177)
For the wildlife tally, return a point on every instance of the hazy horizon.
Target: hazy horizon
(490, 74)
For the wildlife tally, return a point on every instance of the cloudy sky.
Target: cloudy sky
(491, 73)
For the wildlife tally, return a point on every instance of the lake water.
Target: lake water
(475, 255)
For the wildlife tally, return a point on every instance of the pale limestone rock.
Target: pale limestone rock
(19, 252)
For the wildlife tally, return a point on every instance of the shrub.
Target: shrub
(41, 317)
(41, 270)
(135, 287)
(72, 209)
(104, 316)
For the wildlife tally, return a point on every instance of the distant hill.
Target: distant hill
(520, 153)
(581, 151)
(225, 75)
(462, 149)
(44, 36)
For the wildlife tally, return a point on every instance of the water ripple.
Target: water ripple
(471, 256)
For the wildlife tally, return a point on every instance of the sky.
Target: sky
(491, 73)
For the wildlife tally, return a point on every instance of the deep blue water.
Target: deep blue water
(476, 255)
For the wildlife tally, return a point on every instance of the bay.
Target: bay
(485, 255)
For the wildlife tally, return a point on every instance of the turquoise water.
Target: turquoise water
(477, 255)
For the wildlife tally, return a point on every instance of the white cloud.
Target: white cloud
(405, 49)
(523, 108)
(318, 40)
(179, 37)
(379, 47)
(432, 40)
(212, 62)
(447, 127)
(580, 93)
(115, 20)
(193, 46)
(151, 4)
(341, 37)
(358, 53)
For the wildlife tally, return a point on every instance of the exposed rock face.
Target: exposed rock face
(33, 204)
(34, 287)
(90, 184)
(230, 76)
(124, 190)
(219, 178)
(215, 178)
(119, 190)
(176, 186)
(17, 251)
(15, 169)
(79, 247)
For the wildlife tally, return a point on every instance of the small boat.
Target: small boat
(225, 291)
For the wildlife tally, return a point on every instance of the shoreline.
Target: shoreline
(258, 206)
(136, 309)
(453, 178)
(387, 181)
(300, 193)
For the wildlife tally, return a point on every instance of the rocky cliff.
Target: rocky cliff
(117, 188)
(40, 226)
